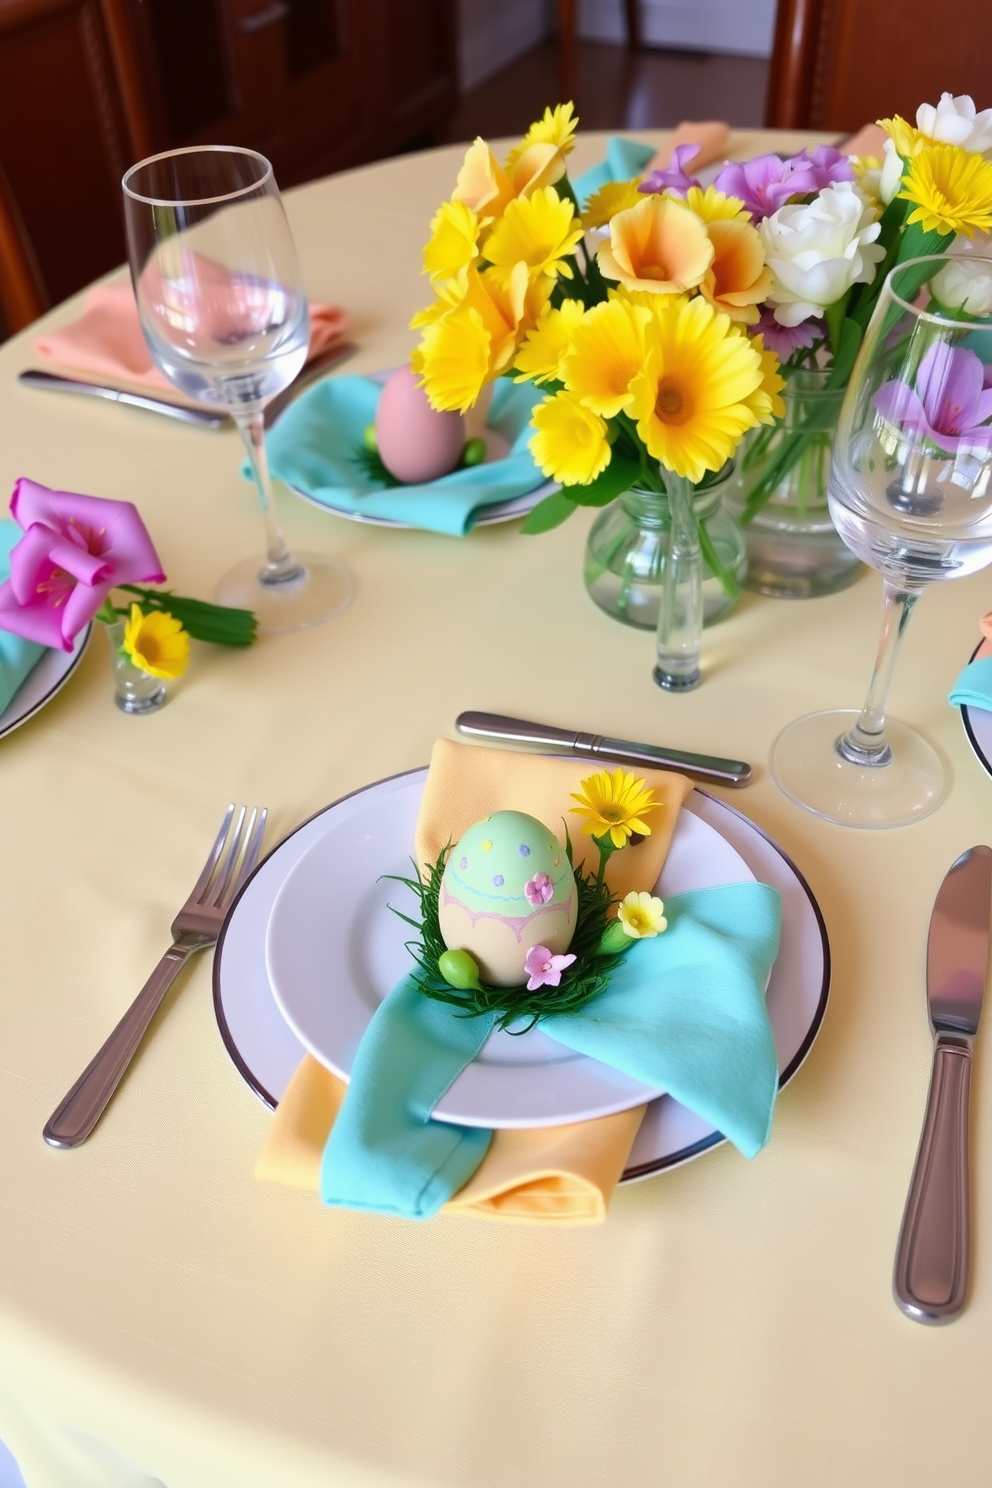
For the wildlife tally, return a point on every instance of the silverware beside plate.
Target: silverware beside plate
(187, 413)
(930, 1281)
(708, 767)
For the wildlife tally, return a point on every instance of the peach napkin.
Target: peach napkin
(106, 341)
(564, 1174)
(712, 136)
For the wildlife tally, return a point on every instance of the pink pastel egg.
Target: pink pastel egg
(416, 443)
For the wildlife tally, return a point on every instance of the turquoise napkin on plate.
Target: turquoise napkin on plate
(973, 688)
(624, 158)
(17, 657)
(684, 1012)
(314, 443)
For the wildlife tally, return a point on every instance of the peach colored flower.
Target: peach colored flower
(659, 246)
(738, 278)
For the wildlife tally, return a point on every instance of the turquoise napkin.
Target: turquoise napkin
(624, 158)
(685, 1012)
(17, 657)
(973, 688)
(313, 447)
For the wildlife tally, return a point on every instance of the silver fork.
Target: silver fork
(196, 926)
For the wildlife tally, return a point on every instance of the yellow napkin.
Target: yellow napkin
(561, 1174)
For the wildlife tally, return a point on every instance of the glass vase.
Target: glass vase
(626, 553)
(135, 690)
(780, 494)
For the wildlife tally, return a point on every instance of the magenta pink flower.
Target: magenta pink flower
(539, 889)
(75, 549)
(673, 178)
(950, 404)
(544, 968)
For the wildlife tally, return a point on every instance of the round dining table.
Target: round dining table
(166, 1319)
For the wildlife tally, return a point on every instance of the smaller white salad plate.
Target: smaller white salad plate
(42, 683)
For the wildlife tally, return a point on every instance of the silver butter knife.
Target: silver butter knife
(207, 418)
(931, 1271)
(598, 746)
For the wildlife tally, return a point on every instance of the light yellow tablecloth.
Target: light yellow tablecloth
(163, 1314)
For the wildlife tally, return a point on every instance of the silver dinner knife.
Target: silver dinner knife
(599, 746)
(50, 382)
(931, 1271)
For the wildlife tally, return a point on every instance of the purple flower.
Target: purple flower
(762, 184)
(544, 968)
(673, 178)
(825, 166)
(785, 340)
(75, 549)
(539, 889)
(950, 404)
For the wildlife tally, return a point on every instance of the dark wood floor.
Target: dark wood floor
(617, 89)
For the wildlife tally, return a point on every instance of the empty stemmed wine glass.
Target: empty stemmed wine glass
(223, 308)
(911, 494)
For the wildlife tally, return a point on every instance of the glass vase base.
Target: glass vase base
(806, 766)
(798, 566)
(323, 588)
(137, 700)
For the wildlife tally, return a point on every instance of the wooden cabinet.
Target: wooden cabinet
(89, 86)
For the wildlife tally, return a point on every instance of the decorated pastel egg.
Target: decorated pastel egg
(507, 887)
(416, 442)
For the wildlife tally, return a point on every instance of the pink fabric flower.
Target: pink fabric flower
(950, 405)
(75, 549)
(544, 968)
(539, 889)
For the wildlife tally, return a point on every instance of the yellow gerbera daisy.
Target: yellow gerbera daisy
(570, 445)
(614, 805)
(611, 198)
(156, 643)
(714, 206)
(738, 279)
(642, 915)
(538, 230)
(454, 241)
(607, 351)
(659, 246)
(765, 402)
(952, 189)
(690, 401)
(482, 183)
(556, 127)
(539, 358)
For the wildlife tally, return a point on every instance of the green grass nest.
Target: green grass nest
(588, 974)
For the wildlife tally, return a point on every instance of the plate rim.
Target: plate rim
(74, 658)
(630, 1174)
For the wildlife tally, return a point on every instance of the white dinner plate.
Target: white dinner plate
(40, 685)
(334, 950)
(978, 721)
(265, 1051)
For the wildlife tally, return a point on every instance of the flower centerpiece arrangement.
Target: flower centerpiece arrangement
(76, 550)
(509, 924)
(638, 317)
(832, 229)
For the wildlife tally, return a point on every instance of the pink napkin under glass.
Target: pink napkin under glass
(106, 341)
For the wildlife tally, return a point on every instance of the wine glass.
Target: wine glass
(911, 494)
(223, 308)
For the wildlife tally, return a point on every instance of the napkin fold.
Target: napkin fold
(107, 343)
(624, 158)
(18, 657)
(314, 446)
(973, 685)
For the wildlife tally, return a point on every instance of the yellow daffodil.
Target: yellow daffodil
(713, 206)
(607, 351)
(952, 190)
(539, 358)
(156, 643)
(659, 246)
(477, 336)
(642, 915)
(614, 805)
(482, 183)
(539, 165)
(738, 279)
(454, 241)
(690, 401)
(907, 140)
(570, 445)
(557, 127)
(611, 198)
(540, 231)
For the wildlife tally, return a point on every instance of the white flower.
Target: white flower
(955, 121)
(891, 177)
(817, 250)
(965, 284)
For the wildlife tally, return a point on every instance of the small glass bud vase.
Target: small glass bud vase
(626, 550)
(135, 690)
